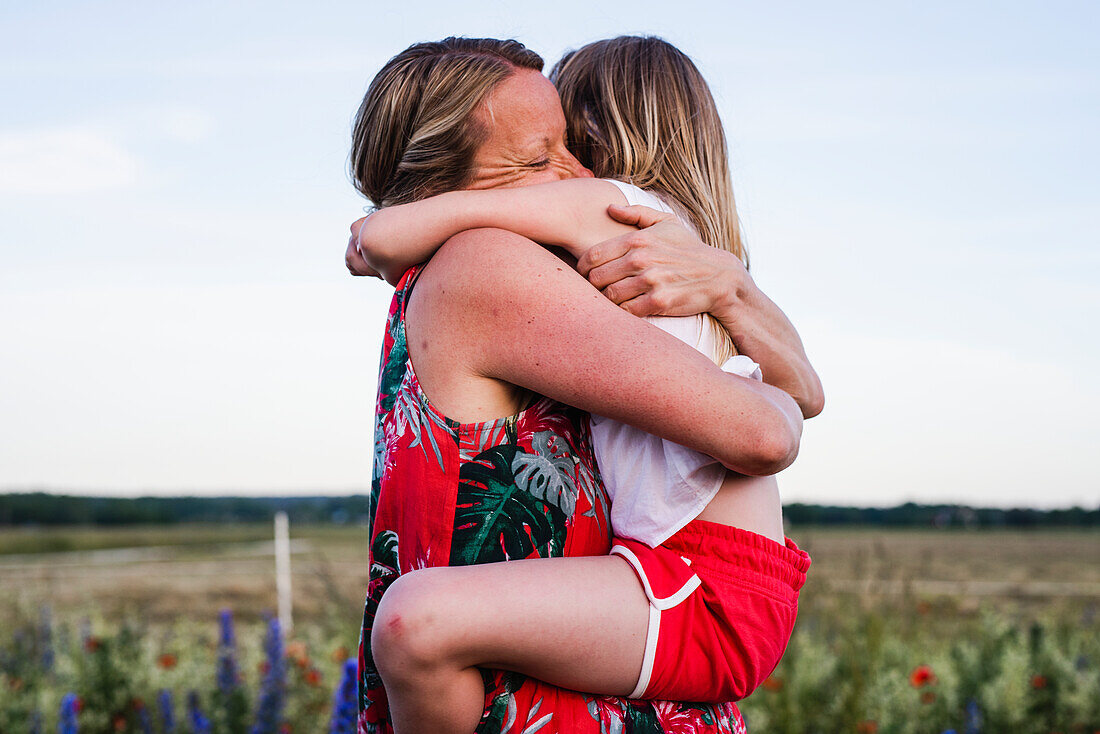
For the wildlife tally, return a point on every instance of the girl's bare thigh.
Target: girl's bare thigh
(576, 623)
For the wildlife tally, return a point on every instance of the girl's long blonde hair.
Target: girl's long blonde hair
(638, 110)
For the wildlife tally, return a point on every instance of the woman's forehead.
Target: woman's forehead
(524, 110)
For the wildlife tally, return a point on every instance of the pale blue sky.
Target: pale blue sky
(917, 181)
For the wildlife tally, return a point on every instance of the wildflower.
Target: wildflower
(36, 722)
(921, 676)
(772, 684)
(227, 654)
(297, 651)
(91, 643)
(145, 721)
(867, 726)
(1038, 682)
(167, 719)
(340, 654)
(973, 717)
(313, 677)
(927, 697)
(45, 638)
(344, 704)
(230, 704)
(119, 722)
(167, 661)
(199, 723)
(70, 707)
(272, 699)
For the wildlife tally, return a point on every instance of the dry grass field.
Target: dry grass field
(168, 573)
(1005, 622)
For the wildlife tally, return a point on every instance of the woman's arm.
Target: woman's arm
(663, 269)
(493, 307)
(571, 214)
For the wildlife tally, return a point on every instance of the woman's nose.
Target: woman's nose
(578, 170)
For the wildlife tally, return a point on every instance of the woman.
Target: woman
(477, 114)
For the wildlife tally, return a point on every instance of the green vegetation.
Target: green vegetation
(901, 630)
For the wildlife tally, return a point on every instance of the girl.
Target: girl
(719, 582)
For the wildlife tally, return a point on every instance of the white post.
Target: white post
(282, 570)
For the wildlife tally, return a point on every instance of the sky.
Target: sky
(917, 182)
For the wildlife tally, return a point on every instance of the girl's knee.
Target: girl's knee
(410, 636)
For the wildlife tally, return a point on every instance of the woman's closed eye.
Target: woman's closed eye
(541, 163)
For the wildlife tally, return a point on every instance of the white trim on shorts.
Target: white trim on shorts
(656, 606)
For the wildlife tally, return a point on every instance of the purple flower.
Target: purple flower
(69, 707)
(199, 723)
(45, 638)
(145, 721)
(167, 718)
(227, 654)
(345, 704)
(973, 718)
(269, 709)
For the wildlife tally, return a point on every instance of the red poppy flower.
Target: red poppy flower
(772, 684)
(119, 722)
(921, 676)
(91, 644)
(340, 654)
(167, 661)
(313, 677)
(78, 704)
(1038, 682)
(868, 726)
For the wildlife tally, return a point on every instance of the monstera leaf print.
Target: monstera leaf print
(410, 413)
(546, 476)
(383, 553)
(495, 520)
(393, 370)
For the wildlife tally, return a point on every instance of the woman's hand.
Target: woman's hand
(664, 269)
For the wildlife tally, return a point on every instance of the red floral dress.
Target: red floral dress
(447, 494)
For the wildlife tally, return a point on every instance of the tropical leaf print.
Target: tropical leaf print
(547, 474)
(383, 553)
(495, 520)
(410, 413)
(394, 367)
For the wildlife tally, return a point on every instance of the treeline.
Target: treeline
(912, 515)
(40, 508)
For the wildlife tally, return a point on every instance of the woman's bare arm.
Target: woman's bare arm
(495, 307)
(663, 269)
(571, 214)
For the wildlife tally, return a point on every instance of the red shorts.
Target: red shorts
(722, 605)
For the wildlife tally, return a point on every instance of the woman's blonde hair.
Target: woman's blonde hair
(638, 110)
(416, 133)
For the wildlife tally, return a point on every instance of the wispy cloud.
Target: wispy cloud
(63, 161)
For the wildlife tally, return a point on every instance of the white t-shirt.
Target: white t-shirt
(657, 486)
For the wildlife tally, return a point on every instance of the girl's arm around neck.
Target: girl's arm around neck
(571, 214)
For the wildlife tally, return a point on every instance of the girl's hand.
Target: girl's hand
(353, 256)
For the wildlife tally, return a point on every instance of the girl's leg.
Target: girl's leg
(576, 623)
